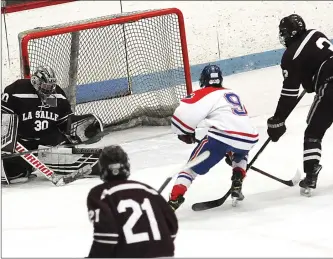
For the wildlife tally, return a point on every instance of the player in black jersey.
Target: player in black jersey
(307, 60)
(130, 218)
(44, 115)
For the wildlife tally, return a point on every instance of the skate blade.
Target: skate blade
(235, 201)
(58, 181)
(23, 179)
(307, 192)
(19, 180)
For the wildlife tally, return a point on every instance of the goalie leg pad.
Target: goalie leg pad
(65, 161)
(9, 125)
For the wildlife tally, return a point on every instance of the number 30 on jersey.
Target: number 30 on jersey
(41, 125)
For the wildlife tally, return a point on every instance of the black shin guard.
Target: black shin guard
(312, 154)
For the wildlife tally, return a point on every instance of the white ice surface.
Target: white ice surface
(41, 220)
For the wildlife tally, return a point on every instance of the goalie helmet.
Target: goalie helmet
(290, 28)
(211, 75)
(113, 164)
(44, 81)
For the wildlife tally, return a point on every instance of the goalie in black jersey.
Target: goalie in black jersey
(308, 60)
(44, 118)
(130, 219)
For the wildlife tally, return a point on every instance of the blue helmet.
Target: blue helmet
(211, 75)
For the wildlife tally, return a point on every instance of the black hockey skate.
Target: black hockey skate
(175, 204)
(25, 176)
(309, 182)
(236, 187)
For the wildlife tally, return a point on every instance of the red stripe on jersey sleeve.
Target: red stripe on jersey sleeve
(182, 123)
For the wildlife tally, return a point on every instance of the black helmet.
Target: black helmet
(211, 75)
(113, 164)
(290, 28)
(44, 81)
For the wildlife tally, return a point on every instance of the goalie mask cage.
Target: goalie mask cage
(129, 69)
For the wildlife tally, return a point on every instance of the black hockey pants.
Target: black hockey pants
(319, 119)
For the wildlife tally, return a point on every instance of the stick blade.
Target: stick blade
(297, 177)
(206, 205)
(295, 180)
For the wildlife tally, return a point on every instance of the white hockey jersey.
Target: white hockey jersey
(222, 111)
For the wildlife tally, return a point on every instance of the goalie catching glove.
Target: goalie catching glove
(83, 127)
(275, 128)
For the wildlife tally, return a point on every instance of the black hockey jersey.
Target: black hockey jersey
(37, 120)
(130, 220)
(307, 61)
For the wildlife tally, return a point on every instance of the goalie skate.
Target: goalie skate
(66, 179)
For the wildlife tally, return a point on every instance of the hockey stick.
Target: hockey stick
(197, 160)
(269, 139)
(218, 202)
(291, 183)
(206, 205)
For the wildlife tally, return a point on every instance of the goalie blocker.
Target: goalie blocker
(61, 161)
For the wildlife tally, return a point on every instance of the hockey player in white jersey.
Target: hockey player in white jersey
(230, 132)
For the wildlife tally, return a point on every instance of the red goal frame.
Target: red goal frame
(25, 67)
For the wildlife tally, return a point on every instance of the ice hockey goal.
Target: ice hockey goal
(129, 69)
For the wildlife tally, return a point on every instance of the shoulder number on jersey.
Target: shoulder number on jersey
(137, 212)
(234, 100)
(322, 42)
(5, 97)
(94, 215)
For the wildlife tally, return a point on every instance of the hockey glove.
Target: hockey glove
(308, 86)
(93, 129)
(275, 128)
(188, 138)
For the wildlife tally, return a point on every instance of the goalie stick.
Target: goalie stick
(218, 202)
(57, 180)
